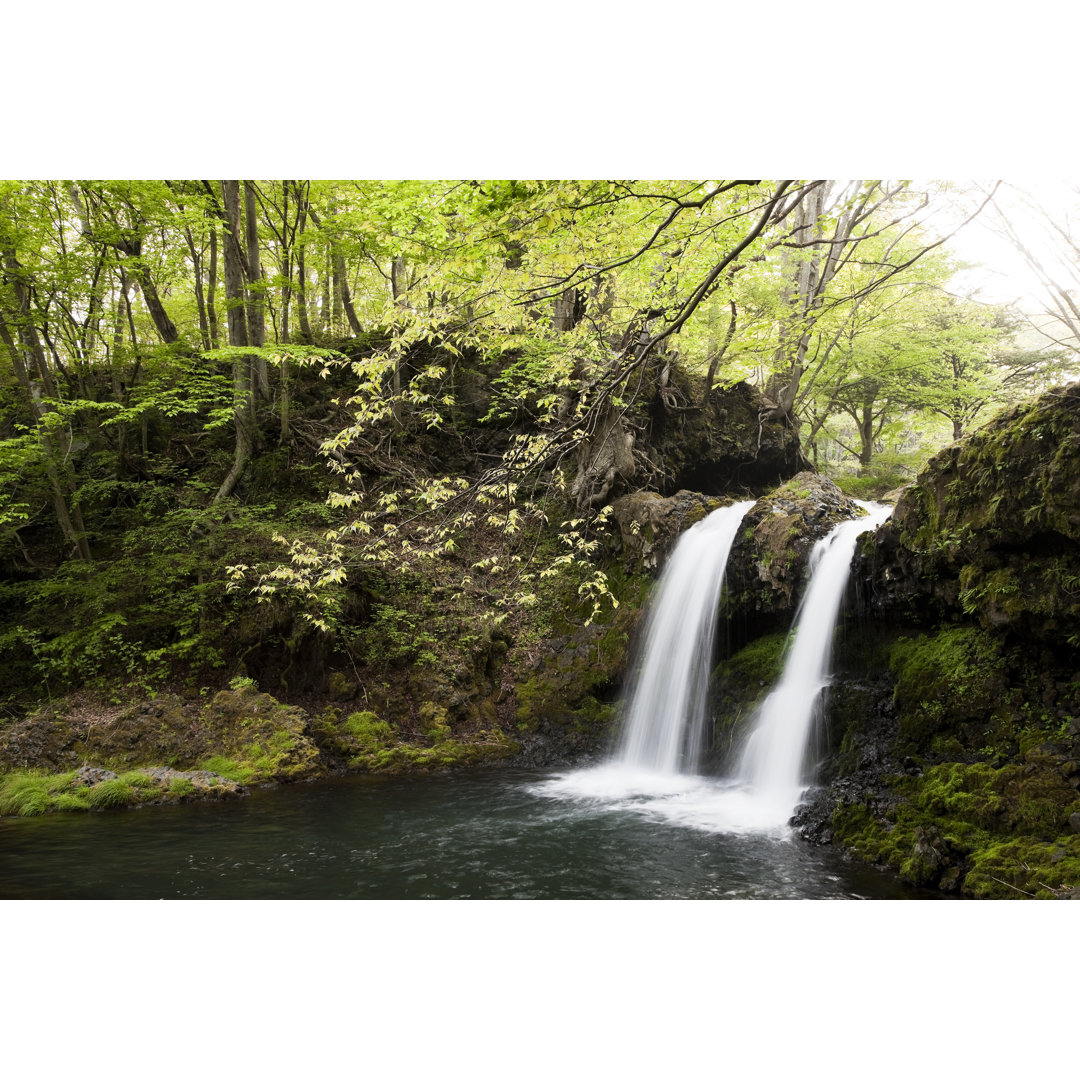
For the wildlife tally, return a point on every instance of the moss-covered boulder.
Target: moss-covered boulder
(648, 526)
(568, 696)
(767, 566)
(368, 743)
(161, 750)
(991, 528)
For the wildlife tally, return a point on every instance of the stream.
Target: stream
(499, 834)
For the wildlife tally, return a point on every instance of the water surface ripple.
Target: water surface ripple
(492, 835)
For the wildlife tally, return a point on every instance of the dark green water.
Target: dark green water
(481, 836)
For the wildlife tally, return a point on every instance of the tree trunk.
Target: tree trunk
(324, 314)
(399, 287)
(564, 311)
(200, 299)
(301, 297)
(342, 297)
(256, 317)
(866, 432)
(234, 266)
(301, 267)
(243, 398)
(211, 290)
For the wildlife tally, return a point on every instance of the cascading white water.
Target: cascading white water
(666, 710)
(666, 706)
(772, 762)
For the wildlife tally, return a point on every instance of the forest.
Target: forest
(305, 476)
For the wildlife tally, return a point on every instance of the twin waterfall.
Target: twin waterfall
(655, 767)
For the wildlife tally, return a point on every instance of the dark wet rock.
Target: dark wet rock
(767, 566)
(721, 446)
(194, 783)
(650, 525)
(87, 776)
(565, 708)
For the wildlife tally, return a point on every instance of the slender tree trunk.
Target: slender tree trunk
(339, 276)
(301, 267)
(131, 248)
(866, 432)
(243, 397)
(301, 297)
(211, 290)
(718, 356)
(200, 299)
(116, 373)
(399, 286)
(346, 296)
(284, 332)
(235, 302)
(564, 310)
(91, 323)
(336, 292)
(324, 314)
(160, 317)
(256, 317)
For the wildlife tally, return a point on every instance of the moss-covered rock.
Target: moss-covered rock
(767, 566)
(991, 527)
(959, 826)
(739, 684)
(27, 793)
(570, 691)
(972, 776)
(945, 680)
(650, 525)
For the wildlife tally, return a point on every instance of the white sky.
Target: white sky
(1003, 275)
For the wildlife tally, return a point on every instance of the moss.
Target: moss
(944, 679)
(1018, 868)
(760, 662)
(180, 787)
(368, 730)
(867, 836)
(238, 771)
(340, 688)
(569, 688)
(958, 819)
(447, 753)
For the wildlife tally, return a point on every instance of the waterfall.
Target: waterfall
(772, 762)
(667, 702)
(653, 770)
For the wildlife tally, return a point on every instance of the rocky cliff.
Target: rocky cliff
(954, 735)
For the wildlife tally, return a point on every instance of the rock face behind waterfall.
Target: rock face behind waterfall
(767, 568)
(954, 721)
(766, 577)
(719, 447)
